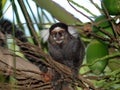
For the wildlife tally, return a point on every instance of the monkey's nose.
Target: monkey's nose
(58, 36)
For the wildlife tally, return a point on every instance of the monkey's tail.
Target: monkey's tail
(7, 27)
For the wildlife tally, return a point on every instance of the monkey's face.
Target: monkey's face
(58, 34)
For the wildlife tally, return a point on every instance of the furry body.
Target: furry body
(70, 51)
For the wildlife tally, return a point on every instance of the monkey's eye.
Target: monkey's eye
(61, 33)
(58, 34)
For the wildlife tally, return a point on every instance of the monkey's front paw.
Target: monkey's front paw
(56, 85)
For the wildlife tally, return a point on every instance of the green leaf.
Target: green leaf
(57, 11)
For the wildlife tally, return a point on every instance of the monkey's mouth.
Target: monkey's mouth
(59, 41)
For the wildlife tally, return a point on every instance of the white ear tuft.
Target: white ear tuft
(73, 31)
(45, 35)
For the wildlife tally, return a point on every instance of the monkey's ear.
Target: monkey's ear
(73, 31)
(45, 35)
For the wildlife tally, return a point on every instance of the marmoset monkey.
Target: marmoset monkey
(65, 46)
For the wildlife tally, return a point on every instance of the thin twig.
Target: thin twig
(96, 5)
(79, 11)
(29, 21)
